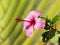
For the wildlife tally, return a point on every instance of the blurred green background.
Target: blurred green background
(11, 31)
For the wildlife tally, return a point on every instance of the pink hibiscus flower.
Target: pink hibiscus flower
(32, 21)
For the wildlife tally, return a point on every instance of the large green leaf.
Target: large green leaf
(55, 19)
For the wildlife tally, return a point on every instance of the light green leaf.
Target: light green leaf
(55, 19)
(54, 39)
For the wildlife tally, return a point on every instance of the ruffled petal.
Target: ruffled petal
(29, 31)
(39, 23)
(33, 14)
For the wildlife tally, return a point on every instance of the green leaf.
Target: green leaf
(54, 39)
(48, 35)
(55, 19)
(44, 35)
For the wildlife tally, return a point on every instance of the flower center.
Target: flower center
(32, 22)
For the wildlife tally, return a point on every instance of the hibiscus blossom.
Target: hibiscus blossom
(32, 22)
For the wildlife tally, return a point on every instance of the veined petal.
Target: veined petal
(26, 24)
(29, 31)
(39, 23)
(33, 14)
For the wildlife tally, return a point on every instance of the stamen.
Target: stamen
(18, 19)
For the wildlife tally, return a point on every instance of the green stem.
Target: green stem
(12, 36)
(9, 14)
(6, 4)
(2, 11)
(54, 9)
(13, 22)
(20, 39)
(44, 5)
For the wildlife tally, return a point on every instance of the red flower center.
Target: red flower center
(32, 22)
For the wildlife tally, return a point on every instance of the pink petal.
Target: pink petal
(39, 23)
(29, 31)
(26, 24)
(33, 14)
